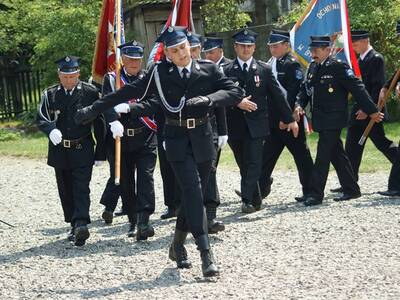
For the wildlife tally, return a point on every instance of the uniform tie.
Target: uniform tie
(244, 69)
(185, 75)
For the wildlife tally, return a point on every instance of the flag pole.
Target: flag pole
(118, 85)
(381, 104)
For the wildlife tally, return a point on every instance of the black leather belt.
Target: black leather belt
(74, 143)
(133, 131)
(189, 123)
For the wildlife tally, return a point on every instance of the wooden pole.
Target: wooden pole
(381, 104)
(117, 86)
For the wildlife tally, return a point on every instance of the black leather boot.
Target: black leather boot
(177, 250)
(144, 229)
(81, 232)
(213, 225)
(208, 265)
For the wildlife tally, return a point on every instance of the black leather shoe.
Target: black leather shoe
(247, 208)
(337, 190)
(311, 201)
(237, 192)
(215, 226)
(107, 216)
(81, 234)
(300, 199)
(390, 193)
(71, 235)
(346, 197)
(177, 250)
(120, 213)
(169, 213)
(208, 266)
(131, 231)
(144, 231)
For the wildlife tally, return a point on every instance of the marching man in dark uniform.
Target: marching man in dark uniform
(138, 147)
(248, 122)
(220, 138)
(326, 87)
(289, 75)
(394, 177)
(71, 146)
(372, 66)
(195, 44)
(186, 90)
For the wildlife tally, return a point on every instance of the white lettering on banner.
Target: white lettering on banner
(327, 9)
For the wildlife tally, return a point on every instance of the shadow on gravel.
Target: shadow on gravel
(376, 201)
(64, 249)
(269, 210)
(168, 277)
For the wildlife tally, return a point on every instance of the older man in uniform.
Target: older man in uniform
(288, 73)
(138, 147)
(372, 66)
(326, 87)
(71, 146)
(394, 177)
(186, 90)
(248, 122)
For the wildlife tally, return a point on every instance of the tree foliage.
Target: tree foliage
(42, 31)
(377, 16)
(223, 15)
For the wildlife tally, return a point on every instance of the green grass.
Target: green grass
(35, 146)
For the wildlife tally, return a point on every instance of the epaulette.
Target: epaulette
(89, 85)
(205, 61)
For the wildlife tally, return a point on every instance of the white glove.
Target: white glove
(163, 145)
(98, 163)
(117, 129)
(55, 136)
(222, 141)
(122, 108)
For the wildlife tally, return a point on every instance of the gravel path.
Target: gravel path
(285, 251)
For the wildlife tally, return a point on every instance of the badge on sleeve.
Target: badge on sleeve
(299, 74)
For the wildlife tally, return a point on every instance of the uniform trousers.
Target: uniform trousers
(273, 147)
(248, 154)
(377, 136)
(330, 149)
(138, 191)
(192, 178)
(73, 189)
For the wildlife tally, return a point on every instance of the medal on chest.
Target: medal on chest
(257, 80)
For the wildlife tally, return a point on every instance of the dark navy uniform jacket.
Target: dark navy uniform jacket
(205, 80)
(55, 101)
(129, 143)
(326, 88)
(372, 69)
(290, 76)
(261, 84)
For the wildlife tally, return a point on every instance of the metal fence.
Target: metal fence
(20, 89)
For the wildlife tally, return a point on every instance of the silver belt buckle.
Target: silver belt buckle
(130, 132)
(190, 123)
(67, 143)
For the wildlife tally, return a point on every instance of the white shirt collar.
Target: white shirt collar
(248, 62)
(188, 67)
(363, 55)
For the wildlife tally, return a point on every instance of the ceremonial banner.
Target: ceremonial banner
(181, 15)
(324, 17)
(104, 59)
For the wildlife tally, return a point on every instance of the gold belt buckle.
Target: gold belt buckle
(190, 123)
(67, 143)
(130, 132)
